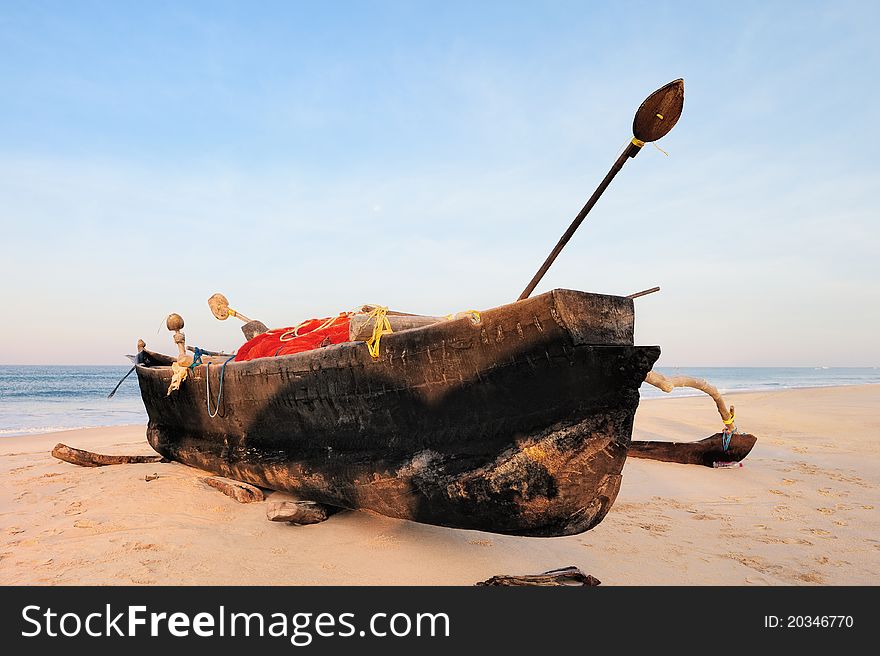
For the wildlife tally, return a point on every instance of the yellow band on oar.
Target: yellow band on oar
(728, 422)
(638, 142)
(230, 312)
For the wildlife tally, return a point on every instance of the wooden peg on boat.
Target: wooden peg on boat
(136, 360)
(174, 323)
(644, 292)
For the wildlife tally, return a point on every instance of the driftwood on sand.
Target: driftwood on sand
(564, 576)
(88, 459)
(241, 492)
(299, 512)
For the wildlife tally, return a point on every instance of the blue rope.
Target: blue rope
(208, 387)
(727, 435)
(197, 357)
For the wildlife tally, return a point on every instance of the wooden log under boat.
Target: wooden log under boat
(703, 452)
(299, 512)
(517, 423)
(241, 492)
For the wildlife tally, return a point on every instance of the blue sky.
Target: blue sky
(305, 158)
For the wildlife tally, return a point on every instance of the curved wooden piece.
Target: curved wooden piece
(704, 452)
(89, 459)
(665, 384)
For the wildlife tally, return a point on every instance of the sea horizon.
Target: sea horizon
(39, 399)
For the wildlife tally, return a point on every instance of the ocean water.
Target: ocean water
(42, 399)
(756, 379)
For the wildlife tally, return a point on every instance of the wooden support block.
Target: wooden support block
(564, 576)
(241, 492)
(89, 459)
(298, 512)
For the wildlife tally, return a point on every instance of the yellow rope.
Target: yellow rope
(659, 148)
(729, 422)
(295, 330)
(381, 327)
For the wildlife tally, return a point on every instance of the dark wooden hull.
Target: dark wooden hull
(703, 452)
(518, 424)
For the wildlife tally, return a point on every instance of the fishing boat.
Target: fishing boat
(513, 420)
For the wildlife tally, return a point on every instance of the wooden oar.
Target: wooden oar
(654, 119)
(220, 308)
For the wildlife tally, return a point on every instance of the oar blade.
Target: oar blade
(219, 306)
(660, 112)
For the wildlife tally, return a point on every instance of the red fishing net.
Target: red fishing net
(310, 334)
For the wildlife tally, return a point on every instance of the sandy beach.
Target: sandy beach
(802, 510)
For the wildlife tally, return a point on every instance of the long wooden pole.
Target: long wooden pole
(631, 151)
(656, 116)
